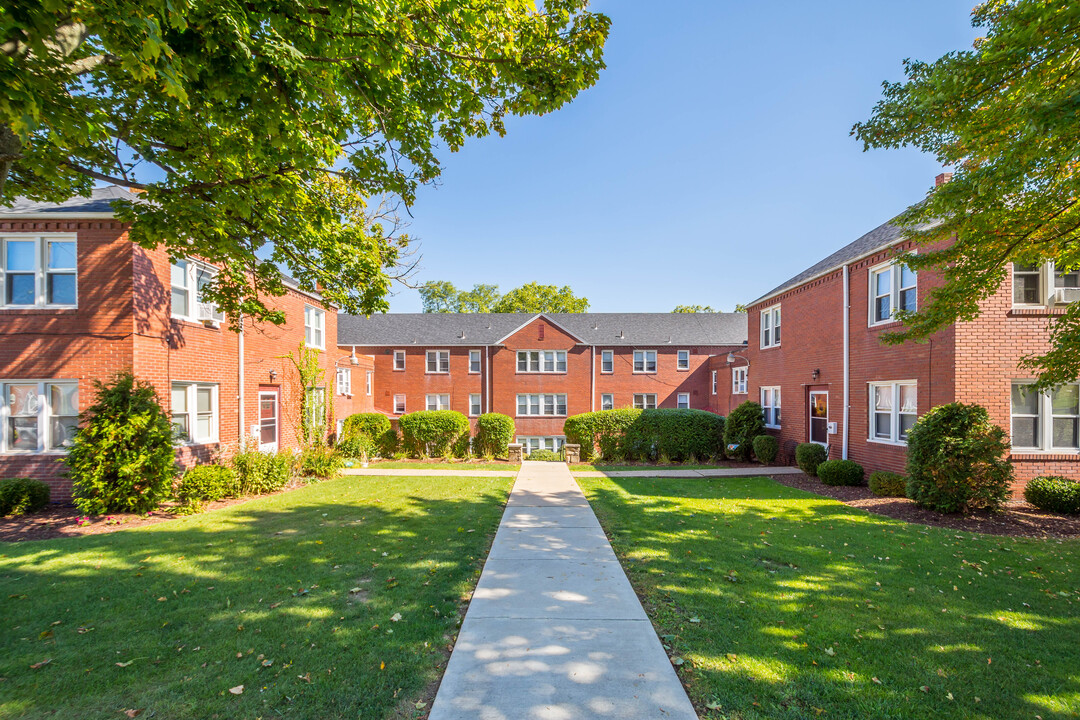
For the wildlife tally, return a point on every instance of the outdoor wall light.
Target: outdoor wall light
(816, 373)
(730, 357)
(273, 375)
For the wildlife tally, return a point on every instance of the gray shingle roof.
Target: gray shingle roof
(100, 201)
(608, 329)
(879, 238)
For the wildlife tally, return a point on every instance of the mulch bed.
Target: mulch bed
(1019, 519)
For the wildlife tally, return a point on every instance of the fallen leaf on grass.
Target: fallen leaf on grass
(238, 690)
(133, 713)
(124, 664)
(396, 617)
(830, 652)
(43, 663)
(420, 704)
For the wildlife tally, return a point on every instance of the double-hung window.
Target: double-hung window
(39, 416)
(370, 382)
(683, 401)
(1046, 421)
(195, 412)
(344, 381)
(438, 402)
(770, 405)
(38, 271)
(314, 327)
(770, 327)
(541, 361)
(682, 361)
(607, 401)
(541, 404)
(474, 361)
(893, 287)
(738, 380)
(894, 408)
(399, 360)
(645, 401)
(713, 382)
(1044, 284)
(316, 412)
(644, 361)
(474, 404)
(399, 404)
(438, 361)
(607, 361)
(188, 280)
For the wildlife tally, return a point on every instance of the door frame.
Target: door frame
(276, 395)
(810, 417)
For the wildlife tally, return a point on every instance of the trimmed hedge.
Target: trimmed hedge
(21, 496)
(888, 484)
(494, 431)
(375, 426)
(766, 448)
(602, 430)
(957, 460)
(206, 483)
(841, 472)
(1054, 493)
(263, 472)
(677, 434)
(808, 456)
(745, 423)
(545, 455)
(432, 433)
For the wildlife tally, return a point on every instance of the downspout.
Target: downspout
(592, 381)
(240, 377)
(847, 358)
(487, 377)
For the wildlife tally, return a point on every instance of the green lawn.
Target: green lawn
(590, 467)
(436, 465)
(784, 604)
(292, 596)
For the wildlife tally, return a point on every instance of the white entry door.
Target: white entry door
(268, 420)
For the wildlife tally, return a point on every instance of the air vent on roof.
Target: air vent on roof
(622, 335)
(461, 335)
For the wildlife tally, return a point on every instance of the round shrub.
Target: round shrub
(21, 496)
(263, 472)
(122, 459)
(371, 425)
(432, 433)
(320, 462)
(840, 472)
(602, 431)
(673, 433)
(744, 424)
(1054, 494)
(493, 434)
(766, 448)
(957, 460)
(206, 483)
(808, 456)
(887, 484)
(545, 455)
(356, 447)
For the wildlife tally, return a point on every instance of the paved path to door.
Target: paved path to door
(554, 630)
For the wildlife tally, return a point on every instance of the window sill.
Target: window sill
(34, 453)
(1069, 455)
(36, 309)
(890, 443)
(644, 372)
(540, 417)
(197, 443)
(773, 427)
(1035, 311)
(884, 325)
(437, 372)
(539, 372)
(767, 347)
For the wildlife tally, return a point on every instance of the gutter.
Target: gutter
(240, 378)
(847, 358)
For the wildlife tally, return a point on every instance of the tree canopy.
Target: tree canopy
(271, 127)
(440, 296)
(1006, 116)
(693, 309)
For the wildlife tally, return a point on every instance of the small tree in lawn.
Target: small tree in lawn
(122, 458)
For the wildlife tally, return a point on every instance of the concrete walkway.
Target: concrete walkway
(554, 630)
(413, 472)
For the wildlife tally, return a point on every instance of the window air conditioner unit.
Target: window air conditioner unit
(1064, 296)
(209, 315)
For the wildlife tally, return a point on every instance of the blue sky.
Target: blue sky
(710, 162)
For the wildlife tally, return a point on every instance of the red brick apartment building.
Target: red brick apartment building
(539, 369)
(818, 367)
(81, 301)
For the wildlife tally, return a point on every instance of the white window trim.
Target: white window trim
(679, 362)
(476, 404)
(740, 380)
(773, 392)
(541, 442)
(645, 402)
(1047, 287)
(439, 404)
(192, 388)
(1046, 425)
(610, 397)
(611, 355)
(645, 362)
(679, 401)
(344, 381)
(369, 382)
(773, 313)
(403, 355)
(198, 312)
(541, 404)
(41, 269)
(479, 362)
(894, 415)
(44, 427)
(714, 382)
(314, 321)
(559, 356)
(438, 362)
(403, 410)
(896, 273)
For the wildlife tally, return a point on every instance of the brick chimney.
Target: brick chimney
(942, 179)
